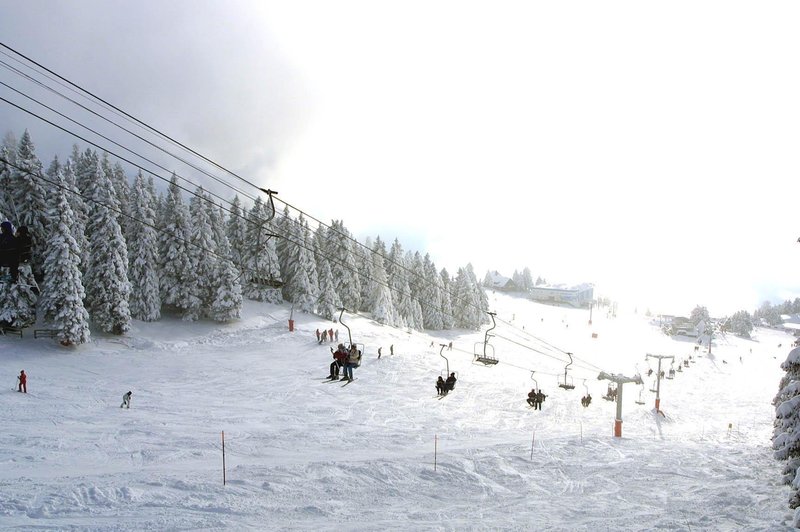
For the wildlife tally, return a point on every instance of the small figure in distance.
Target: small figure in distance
(126, 400)
(23, 382)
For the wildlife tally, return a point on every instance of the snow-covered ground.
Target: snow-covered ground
(303, 454)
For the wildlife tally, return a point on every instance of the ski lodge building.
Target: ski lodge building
(577, 296)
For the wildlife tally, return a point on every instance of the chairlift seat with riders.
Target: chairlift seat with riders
(611, 393)
(349, 344)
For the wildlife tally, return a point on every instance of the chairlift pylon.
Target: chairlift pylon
(485, 357)
(567, 385)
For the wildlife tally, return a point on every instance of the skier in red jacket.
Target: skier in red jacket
(23, 382)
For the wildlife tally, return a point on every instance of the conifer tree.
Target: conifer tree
(398, 281)
(380, 300)
(343, 266)
(199, 286)
(173, 252)
(6, 200)
(29, 198)
(18, 299)
(227, 303)
(328, 302)
(62, 291)
(786, 435)
(236, 232)
(107, 274)
(78, 205)
(145, 300)
(299, 262)
(432, 295)
(448, 319)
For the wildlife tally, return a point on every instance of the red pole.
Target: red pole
(618, 428)
(223, 457)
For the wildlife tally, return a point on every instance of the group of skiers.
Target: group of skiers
(444, 386)
(536, 398)
(344, 359)
(327, 335)
(15, 248)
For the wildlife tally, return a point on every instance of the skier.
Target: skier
(23, 382)
(339, 359)
(353, 360)
(450, 346)
(9, 251)
(440, 386)
(532, 397)
(318, 336)
(451, 382)
(379, 352)
(126, 400)
(391, 349)
(337, 335)
(330, 334)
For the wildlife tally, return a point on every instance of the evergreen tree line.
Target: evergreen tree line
(109, 250)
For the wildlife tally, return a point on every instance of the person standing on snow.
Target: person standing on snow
(126, 400)
(23, 382)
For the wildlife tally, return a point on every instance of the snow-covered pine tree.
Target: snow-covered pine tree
(282, 224)
(145, 300)
(343, 266)
(30, 200)
(380, 300)
(227, 303)
(527, 279)
(299, 261)
(328, 302)
(432, 296)
(78, 206)
(83, 168)
(18, 299)
(172, 248)
(786, 435)
(236, 231)
(262, 271)
(741, 324)
(480, 299)
(198, 279)
(6, 200)
(123, 192)
(62, 290)
(108, 288)
(448, 318)
(397, 273)
(364, 266)
(308, 244)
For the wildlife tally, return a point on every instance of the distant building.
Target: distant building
(577, 296)
(495, 281)
(680, 325)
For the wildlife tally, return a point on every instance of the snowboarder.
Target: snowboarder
(440, 386)
(23, 382)
(126, 400)
(339, 359)
(451, 382)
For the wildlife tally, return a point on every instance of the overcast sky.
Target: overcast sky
(650, 148)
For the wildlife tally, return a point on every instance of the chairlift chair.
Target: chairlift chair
(653, 388)
(263, 278)
(611, 394)
(567, 384)
(486, 355)
(640, 400)
(349, 344)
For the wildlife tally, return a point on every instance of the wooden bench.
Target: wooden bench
(45, 333)
(12, 330)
